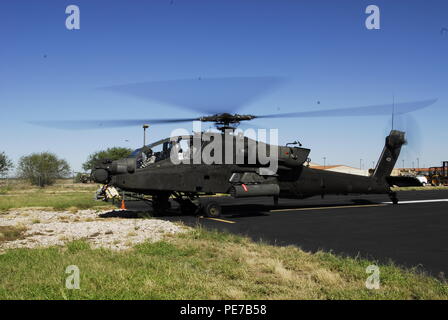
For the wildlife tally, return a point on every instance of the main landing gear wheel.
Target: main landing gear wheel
(211, 209)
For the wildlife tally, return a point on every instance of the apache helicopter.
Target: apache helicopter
(173, 174)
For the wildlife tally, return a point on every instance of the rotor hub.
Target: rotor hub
(225, 121)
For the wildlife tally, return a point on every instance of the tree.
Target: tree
(114, 153)
(5, 164)
(42, 169)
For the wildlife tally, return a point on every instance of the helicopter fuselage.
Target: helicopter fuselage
(293, 177)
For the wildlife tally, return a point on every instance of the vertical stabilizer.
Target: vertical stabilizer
(394, 141)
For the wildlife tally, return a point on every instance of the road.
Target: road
(413, 233)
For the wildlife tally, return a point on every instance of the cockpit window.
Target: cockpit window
(146, 156)
(135, 153)
(161, 150)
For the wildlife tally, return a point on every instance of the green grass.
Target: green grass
(5, 189)
(63, 195)
(56, 201)
(203, 265)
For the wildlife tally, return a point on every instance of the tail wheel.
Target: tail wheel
(212, 209)
(393, 197)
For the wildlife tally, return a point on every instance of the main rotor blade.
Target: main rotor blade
(384, 109)
(204, 95)
(99, 124)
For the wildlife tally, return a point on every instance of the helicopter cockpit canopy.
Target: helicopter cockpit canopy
(157, 151)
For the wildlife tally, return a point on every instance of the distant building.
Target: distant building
(343, 169)
(351, 170)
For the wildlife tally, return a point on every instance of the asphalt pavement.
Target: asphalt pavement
(413, 233)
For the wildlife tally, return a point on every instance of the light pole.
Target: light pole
(403, 163)
(325, 159)
(145, 126)
(418, 163)
(360, 164)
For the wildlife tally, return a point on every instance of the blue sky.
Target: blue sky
(323, 47)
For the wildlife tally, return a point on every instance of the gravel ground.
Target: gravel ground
(50, 228)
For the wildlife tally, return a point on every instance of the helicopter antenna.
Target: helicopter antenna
(393, 110)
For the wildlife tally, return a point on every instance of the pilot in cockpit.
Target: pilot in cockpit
(148, 157)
